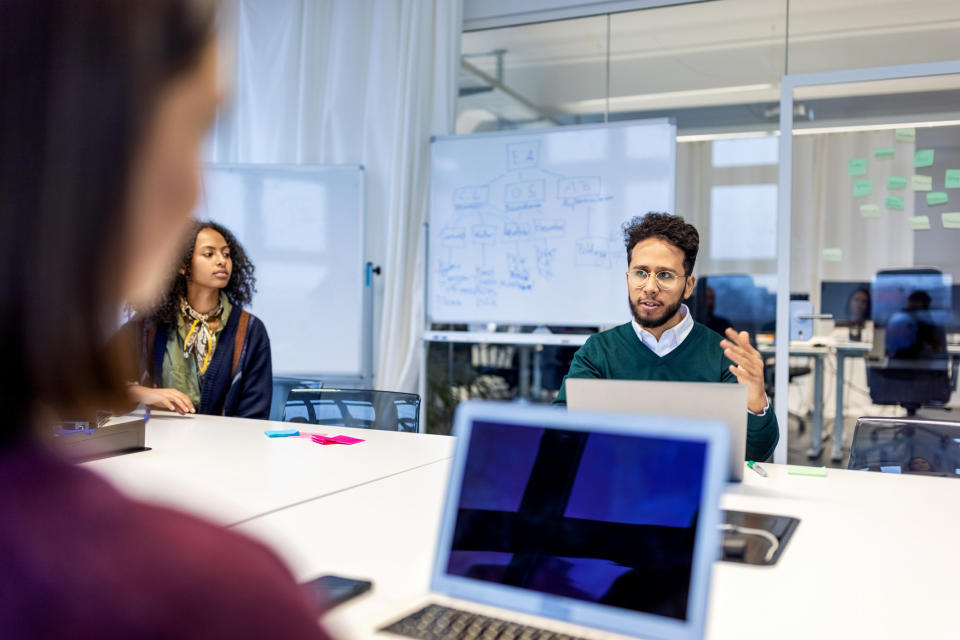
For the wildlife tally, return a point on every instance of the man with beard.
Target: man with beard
(663, 342)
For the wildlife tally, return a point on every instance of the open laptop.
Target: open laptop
(575, 524)
(719, 401)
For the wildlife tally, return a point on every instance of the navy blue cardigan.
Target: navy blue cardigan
(247, 395)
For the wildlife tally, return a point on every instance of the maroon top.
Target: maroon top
(80, 560)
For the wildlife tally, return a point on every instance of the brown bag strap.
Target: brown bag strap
(150, 339)
(238, 341)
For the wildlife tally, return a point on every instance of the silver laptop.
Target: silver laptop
(719, 401)
(573, 524)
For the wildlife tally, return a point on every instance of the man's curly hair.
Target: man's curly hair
(671, 228)
(239, 289)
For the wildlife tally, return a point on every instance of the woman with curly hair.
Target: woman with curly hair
(200, 351)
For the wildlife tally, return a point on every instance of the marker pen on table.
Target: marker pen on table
(753, 465)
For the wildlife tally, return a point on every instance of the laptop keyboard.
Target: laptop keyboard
(435, 622)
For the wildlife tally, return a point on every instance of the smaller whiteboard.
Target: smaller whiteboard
(303, 228)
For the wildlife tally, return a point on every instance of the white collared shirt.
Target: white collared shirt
(671, 338)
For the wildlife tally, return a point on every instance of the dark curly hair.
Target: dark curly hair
(668, 227)
(239, 289)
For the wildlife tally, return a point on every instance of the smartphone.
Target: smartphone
(330, 591)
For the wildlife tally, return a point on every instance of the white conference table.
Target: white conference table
(873, 557)
(227, 470)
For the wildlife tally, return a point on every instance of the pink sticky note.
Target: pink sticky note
(324, 440)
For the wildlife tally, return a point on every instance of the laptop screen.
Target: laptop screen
(598, 517)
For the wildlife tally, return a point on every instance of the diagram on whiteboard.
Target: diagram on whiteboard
(527, 228)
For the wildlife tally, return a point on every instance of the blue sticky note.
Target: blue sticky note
(923, 158)
(862, 187)
(280, 433)
(896, 182)
(951, 179)
(857, 167)
(894, 202)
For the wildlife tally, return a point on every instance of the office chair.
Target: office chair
(906, 445)
(909, 364)
(282, 385)
(362, 408)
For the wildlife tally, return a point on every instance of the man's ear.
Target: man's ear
(688, 290)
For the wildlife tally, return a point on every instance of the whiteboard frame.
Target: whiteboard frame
(364, 377)
(530, 132)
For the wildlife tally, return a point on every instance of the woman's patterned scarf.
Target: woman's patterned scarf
(200, 341)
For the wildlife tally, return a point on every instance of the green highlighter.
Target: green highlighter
(753, 465)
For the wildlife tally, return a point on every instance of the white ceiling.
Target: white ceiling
(710, 53)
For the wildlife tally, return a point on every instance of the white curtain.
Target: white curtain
(353, 82)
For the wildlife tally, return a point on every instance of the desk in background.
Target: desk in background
(844, 350)
(817, 352)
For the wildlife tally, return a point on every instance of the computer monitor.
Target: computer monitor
(848, 301)
(734, 300)
(954, 326)
(911, 291)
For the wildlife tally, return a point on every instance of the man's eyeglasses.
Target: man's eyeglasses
(666, 280)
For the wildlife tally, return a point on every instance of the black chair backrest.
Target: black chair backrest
(906, 445)
(362, 408)
(909, 363)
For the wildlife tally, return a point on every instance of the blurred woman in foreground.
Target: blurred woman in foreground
(103, 106)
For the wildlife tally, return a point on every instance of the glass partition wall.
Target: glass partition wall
(715, 68)
(872, 249)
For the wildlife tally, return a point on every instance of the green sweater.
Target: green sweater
(619, 354)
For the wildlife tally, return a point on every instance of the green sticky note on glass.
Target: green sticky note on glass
(883, 152)
(833, 254)
(896, 182)
(905, 135)
(870, 210)
(952, 179)
(950, 220)
(862, 187)
(813, 472)
(919, 223)
(894, 202)
(857, 167)
(923, 158)
(937, 197)
(921, 183)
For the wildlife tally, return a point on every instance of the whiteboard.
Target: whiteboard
(303, 228)
(525, 226)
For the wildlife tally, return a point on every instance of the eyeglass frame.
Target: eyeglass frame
(680, 277)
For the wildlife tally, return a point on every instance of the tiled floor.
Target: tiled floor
(799, 443)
